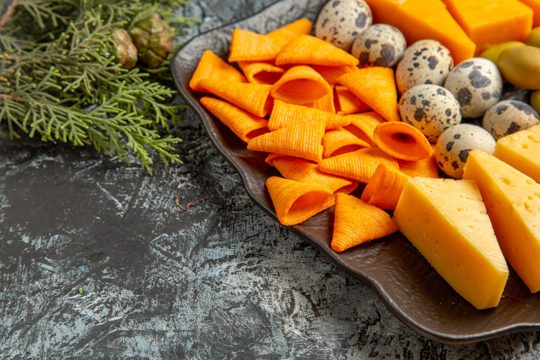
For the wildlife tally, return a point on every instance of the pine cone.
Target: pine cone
(126, 52)
(154, 39)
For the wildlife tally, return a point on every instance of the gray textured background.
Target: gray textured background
(221, 280)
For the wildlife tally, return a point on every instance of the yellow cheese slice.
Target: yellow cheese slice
(522, 151)
(513, 203)
(489, 22)
(425, 19)
(535, 6)
(446, 221)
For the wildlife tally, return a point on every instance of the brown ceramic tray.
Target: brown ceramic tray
(404, 280)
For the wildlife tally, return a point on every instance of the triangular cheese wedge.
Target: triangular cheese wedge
(446, 221)
(250, 46)
(522, 151)
(376, 87)
(309, 50)
(425, 19)
(482, 19)
(535, 6)
(357, 222)
(513, 203)
(296, 202)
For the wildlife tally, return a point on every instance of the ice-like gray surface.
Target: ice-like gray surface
(221, 280)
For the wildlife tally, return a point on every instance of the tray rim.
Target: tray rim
(205, 119)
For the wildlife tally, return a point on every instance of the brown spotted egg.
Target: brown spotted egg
(424, 62)
(509, 116)
(380, 45)
(430, 108)
(341, 21)
(477, 84)
(455, 144)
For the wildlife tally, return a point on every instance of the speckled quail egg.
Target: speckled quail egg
(509, 116)
(424, 62)
(431, 109)
(455, 143)
(380, 45)
(477, 84)
(341, 21)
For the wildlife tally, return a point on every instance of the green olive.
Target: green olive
(520, 66)
(535, 100)
(534, 37)
(493, 52)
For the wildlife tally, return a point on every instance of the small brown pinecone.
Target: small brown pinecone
(126, 52)
(153, 39)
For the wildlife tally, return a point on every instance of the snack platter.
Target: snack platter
(403, 279)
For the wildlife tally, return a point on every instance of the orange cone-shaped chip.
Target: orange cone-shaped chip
(250, 46)
(285, 34)
(309, 50)
(287, 115)
(341, 141)
(357, 222)
(302, 141)
(300, 85)
(272, 157)
(384, 188)
(357, 165)
(254, 98)
(376, 87)
(332, 73)
(306, 172)
(242, 123)
(211, 67)
(348, 103)
(364, 125)
(402, 141)
(325, 104)
(422, 168)
(295, 202)
(261, 72)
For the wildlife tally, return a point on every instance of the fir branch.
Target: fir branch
(109, 127)
(9, 42)
(43, 11)
(59, 80)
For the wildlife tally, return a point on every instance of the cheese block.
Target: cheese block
(535, 6)
(513, 203)
(522, 151)
(421, 19)
(489, 22)
(446, 221)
